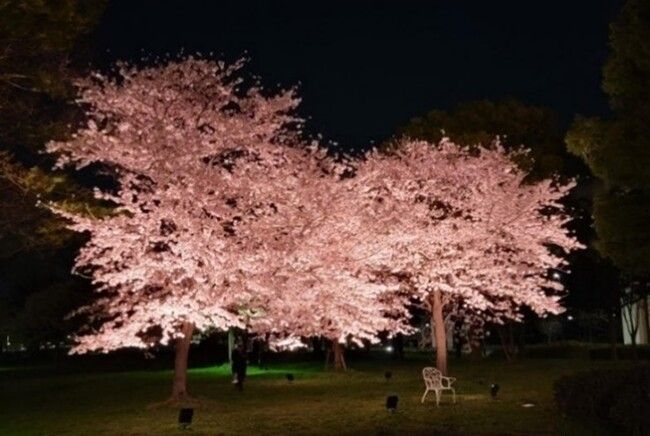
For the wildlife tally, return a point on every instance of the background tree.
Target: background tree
(26, 225)
(194, 153)
(592, 279)
(322, 263)
(43, 320)
(515, 123)
(42, 49)
(469, 232)
(617, 149)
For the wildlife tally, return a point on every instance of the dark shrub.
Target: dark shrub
(578, 350)
(617, 398)
(557, 350)
(624, 352)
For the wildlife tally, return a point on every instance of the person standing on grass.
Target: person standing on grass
(239, 366)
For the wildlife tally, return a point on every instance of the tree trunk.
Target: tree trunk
(507, 352)
(179, 387)
(317, 345)
(613, 324)
(475, 344)
(635, 355)
(634, 328)
(614, 321)
(259, 354)
(339, 356)
(646, 311)
(511, 339)
(398, 346)
(630, 316)
(231, 344)
(438, 331)
(521, 339)
(327, 357)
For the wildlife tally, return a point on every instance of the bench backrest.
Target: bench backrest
(432, 378)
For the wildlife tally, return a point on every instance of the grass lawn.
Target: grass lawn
(37, 402)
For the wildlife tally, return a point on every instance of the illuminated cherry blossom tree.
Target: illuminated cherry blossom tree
(224, 217)
(193, 153)
(469, 231)
(318, 265)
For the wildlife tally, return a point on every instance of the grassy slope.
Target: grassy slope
(35, 402)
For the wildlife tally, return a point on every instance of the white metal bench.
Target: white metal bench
(436, 382)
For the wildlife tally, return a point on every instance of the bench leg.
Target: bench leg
(424, 396)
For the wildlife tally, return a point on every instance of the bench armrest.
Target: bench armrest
(448, 380)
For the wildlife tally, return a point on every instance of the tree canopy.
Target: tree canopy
(226, 217)
(617, 150)
(43, 49)
(515, 123)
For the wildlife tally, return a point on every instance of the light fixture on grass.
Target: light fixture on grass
(185, 418)
(391, 403)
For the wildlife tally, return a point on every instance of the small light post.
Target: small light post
(494, 390)
(391, 403)
(185, 418)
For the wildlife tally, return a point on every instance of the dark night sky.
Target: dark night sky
(367, 66)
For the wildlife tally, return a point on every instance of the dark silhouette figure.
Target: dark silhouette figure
(239, 364)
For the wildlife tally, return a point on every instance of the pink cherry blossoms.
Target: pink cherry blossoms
(172, 135)
(226, 217)
(465, 223)
(471, 236)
